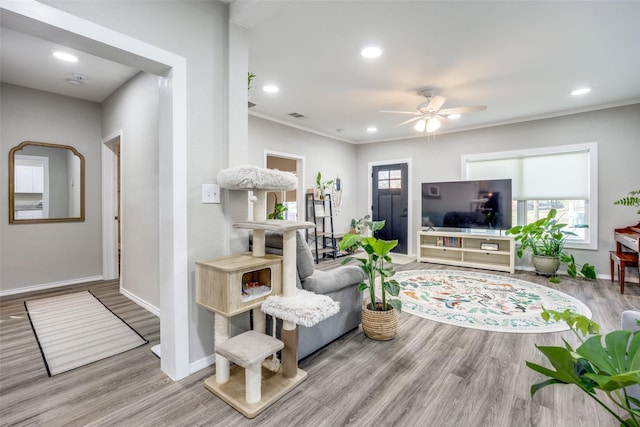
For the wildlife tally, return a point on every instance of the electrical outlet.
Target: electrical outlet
(210, 193)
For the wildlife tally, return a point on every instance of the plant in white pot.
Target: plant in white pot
(546, 238)
(379, 318)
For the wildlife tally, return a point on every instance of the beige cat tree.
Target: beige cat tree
(263, 284)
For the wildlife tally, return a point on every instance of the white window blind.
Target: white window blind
(553, 176)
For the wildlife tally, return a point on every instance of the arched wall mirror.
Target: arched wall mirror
(46, 183)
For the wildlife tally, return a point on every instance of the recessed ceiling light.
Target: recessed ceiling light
(581, 91)
(372, 129)
(371, 51)
(270, 88)
(65, 56)
(454, 116)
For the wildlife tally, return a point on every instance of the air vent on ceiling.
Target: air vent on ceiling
(297, 115)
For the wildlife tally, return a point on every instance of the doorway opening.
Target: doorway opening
(292, 200)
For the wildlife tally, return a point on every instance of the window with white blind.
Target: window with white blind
(562, 177)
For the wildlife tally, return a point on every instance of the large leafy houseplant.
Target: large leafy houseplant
(546, 237)
(377, 253)
(594, 368)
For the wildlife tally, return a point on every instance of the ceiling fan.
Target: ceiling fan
(429, 115)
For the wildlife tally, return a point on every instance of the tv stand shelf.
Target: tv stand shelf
(467, 250)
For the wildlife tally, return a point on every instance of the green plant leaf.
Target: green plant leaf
(392, 287)
(349, 241)
(362, 287)
(536, 387)
(396, 304)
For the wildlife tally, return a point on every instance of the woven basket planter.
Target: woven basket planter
(379, 325)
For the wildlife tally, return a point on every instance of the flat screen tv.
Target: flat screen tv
(484, 204)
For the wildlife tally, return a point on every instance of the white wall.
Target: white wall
(43, 255)
(197, 31)
(328, 156)
(133, 109)
(616, 130)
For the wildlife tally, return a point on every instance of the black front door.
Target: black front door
(390, 198)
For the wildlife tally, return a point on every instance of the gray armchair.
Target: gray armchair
(340, 284)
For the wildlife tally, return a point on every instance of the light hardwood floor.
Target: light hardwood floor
(430, 375)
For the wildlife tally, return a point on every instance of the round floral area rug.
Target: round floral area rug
(483, 301)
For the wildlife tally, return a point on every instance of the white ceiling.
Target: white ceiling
(520, 59)
(28, 61)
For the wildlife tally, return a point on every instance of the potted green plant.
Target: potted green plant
(359, 224)
(278, 209)
(633, 199)
(593, 367)
(379, 318)
(322, 186)
(546, 238)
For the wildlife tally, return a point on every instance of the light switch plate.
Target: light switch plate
(210, 193)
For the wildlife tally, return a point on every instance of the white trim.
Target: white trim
(45, 286)
(32, 16)
(205, 362)
(110, 206)
(296, 126)
(142, 303)
(408, 161)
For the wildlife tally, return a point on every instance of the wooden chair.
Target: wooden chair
(619, 262)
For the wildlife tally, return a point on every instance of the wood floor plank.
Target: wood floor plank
(432, 374)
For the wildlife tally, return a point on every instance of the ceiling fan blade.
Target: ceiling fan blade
(413, 119)
(443, 120)
(436, 102)
(461, 110)
(415, 113)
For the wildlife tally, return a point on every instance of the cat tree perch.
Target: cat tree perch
(253, 389)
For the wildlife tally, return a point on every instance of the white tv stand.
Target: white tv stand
(487, 251)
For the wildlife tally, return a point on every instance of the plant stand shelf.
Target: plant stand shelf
(490, 252)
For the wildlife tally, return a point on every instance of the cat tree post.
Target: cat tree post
(289, 333)
(261, 387)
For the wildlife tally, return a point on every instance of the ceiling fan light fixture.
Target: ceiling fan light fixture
(433, 124)
(420, 125)
(454, 116)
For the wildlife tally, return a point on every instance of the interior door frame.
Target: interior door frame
(408, 162)
(110, 206)
(299, 173)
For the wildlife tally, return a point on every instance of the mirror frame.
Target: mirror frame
(12, 219)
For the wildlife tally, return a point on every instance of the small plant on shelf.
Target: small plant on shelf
(322, 186)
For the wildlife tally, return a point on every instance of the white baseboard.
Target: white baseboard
(142, 303)
(45, 286)
(202, 363)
